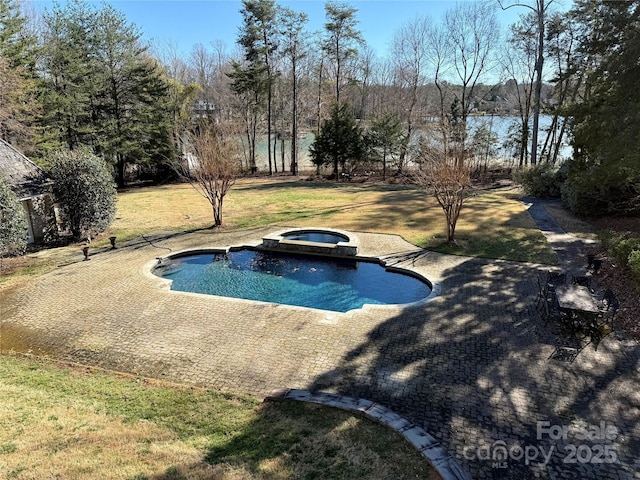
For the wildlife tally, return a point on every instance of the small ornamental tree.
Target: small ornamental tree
(446, 175)
(13, 224)
(214, 165)
(84, 188)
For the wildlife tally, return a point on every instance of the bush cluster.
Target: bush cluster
(625, 249)
(541, 180)
(596, 190)
(13, 224)
(83, 185)
(634, 264)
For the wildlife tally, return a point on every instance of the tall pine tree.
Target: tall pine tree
(18, 101)
(102, 90)
(253, 79)
(133, 109)
(71, 78)
(605, 173)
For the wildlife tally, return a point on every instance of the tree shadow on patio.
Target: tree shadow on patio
(472, 368)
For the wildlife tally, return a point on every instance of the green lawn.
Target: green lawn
(493, 224)
(71, 422)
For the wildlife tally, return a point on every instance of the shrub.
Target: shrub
(605, 238)
(623, 248)
(595, 190)
(584, 196)
(634, 264)
(13, 224)
(541, 180)
(84, 188)
(626, 251)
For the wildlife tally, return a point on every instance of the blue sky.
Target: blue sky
(185, 23)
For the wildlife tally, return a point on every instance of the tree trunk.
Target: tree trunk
(384, 164)
(269, 130)
(451, 231)
(121, 166)
(294, 125)
(319, 97)
(337, 71)
(538, 91)
(524, 142)
(275, 161)
(217, 213)
(282, 149)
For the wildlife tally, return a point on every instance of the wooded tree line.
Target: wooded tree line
(81, 77)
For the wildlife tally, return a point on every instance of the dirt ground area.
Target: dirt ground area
(13, 264)
(620, 280)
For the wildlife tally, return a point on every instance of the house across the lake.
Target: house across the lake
(33, 188)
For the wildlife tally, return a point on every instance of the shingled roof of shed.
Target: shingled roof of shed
(25, 177)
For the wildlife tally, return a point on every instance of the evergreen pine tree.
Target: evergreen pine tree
(605, 173)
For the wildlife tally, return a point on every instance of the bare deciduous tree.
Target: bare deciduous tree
(472, 31)
(562, 46)
(519, 65)
(540, 13)
(202, 68)
(410, 56)
(294, 49)
(212, 167)
(448, 179)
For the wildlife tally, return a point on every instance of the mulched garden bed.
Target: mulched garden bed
(619, 279)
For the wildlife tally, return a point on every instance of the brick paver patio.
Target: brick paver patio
(471, 367)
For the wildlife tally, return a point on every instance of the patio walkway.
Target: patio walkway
(471, 367)
(571, 251)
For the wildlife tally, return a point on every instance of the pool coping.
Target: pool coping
(438, 457)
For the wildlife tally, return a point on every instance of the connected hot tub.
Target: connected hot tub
(325, 241)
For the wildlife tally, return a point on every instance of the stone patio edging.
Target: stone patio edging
(439, 458)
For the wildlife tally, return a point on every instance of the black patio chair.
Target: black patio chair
(556, 278)
(608, 299)
(597, 265)
(541, 294)
(551, 311)
(567, 349)
(595, 327)
(545, 293)
(582, 280)
(608, 313)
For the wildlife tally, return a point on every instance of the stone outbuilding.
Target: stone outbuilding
(33, 188)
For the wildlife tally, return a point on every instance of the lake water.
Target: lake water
(496, 124)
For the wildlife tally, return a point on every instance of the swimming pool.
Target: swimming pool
(326, 283)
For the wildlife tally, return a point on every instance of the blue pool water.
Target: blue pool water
(320, 237)
(304, 280)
